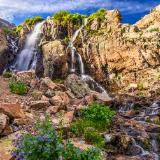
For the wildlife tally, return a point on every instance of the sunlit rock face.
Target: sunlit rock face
(113, 53)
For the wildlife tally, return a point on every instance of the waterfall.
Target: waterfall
(85, 77)
(27, 58)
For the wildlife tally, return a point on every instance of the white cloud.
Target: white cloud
(9, 9)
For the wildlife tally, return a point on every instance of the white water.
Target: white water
(27, 58)
(84, 76)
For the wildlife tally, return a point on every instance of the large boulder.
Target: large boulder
(54, 59)
(77, 86)
(13, 111)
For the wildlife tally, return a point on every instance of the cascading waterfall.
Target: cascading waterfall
(84, 76)
(27, 58)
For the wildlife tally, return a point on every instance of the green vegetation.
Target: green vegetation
(9, 31)
(140, 87)
(44, 143)
(18, 88)
(154, 30)
(99, 14)
(94, 119)
(64, 18)
(7, 74)
(19, 28)
(34, 20)
(66, 40)
(93, 136)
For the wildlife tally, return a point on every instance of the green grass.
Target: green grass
(7, 74)
(33, 20)
(18, 88)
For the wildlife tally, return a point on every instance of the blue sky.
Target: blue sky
(17, 10)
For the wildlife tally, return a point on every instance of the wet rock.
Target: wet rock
(123, 157)
(39, 105)
(125, 141)
(102, 98)
(78, 87)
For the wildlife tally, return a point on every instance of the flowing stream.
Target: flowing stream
(27, 58)
(145, 117)
(93, 84)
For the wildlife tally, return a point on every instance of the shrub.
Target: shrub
(44, 143)
(98, 114)
(93, 136)
(154, 30)
(94, 118)
(19, 28)
(99, 14)
(64, 17)
(34, 20)
(140, 87)
(7, 74)
(18, 88)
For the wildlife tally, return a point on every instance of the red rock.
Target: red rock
(68, 117)
(60, 99)
(12, 110)
(39, 104)
(53, 109)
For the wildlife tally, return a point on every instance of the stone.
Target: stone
(3, 122)
(25, 77)
(6, 147)
(54, 59)
(39, 105)
(60, 99)
(37, 95)
(77, 86)
(46, 83)
(102, 98)
(5, 56)
(53, 109)
(12, 110)
(68, 117)
(125, 141)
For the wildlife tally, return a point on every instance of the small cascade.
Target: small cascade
(27, 58)
(93, 84)
(146, 117)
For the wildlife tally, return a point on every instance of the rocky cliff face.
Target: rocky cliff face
(5, 56)
(113, 53)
